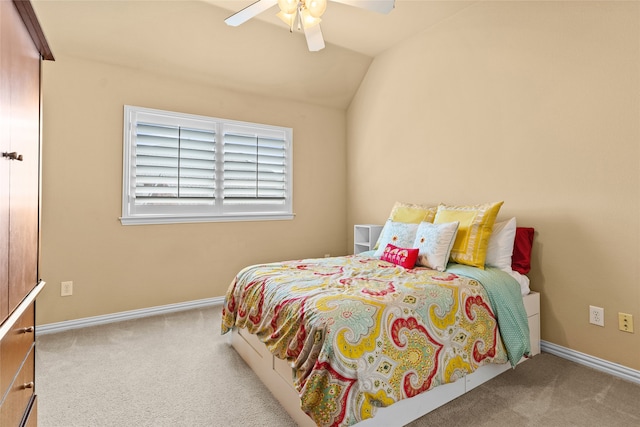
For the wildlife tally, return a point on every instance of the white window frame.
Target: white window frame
(133, 214)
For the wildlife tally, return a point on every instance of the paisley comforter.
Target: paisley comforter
(362, 333)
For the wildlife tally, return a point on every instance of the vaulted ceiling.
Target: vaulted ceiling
(189, 39)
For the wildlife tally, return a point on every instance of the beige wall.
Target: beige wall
(536, 104)
(533, 103)
(117, 268)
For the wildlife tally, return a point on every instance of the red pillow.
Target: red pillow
(404, 257)
(521, 259)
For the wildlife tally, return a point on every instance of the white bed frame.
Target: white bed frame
(276, 374)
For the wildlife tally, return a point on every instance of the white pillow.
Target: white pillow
(522, 280)
(434, 243)
(399, 234)
(500, 247)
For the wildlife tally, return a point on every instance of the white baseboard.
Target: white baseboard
(611, 368)
(51, 328)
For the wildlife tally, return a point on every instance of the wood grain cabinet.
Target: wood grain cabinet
(22, 49)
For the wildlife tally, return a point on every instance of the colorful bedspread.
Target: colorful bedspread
(362, 333)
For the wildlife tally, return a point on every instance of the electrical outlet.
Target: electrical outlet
(66, 289)
(596, 315)
(625, 322)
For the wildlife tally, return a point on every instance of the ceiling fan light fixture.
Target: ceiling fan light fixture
(287, 18)
(308, 20)
(288, 6)
(304, 14)
(316, 7)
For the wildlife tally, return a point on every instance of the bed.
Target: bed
(288, 355)
(382, 337)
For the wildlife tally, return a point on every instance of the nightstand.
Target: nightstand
(365, 237)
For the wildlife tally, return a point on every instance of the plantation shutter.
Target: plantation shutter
(255, 169)
(187, 168)
(174, 165)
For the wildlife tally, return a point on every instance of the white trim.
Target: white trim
(177, 219)
(20, 309)
(51, 328)
(596, 363)
(602, 365)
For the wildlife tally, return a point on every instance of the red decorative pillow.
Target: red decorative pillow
(404, 257)
(521, 259)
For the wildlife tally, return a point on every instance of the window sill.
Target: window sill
(168, 219)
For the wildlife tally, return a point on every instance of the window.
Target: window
(185, 168)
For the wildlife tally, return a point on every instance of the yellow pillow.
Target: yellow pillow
(476, 224)
(412, 214)
(409, 214)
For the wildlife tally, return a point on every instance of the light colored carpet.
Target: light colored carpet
(177, 370)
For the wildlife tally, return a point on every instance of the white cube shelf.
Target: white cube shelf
(365, 237)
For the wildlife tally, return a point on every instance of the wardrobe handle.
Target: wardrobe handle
(27, 330)
(13, 156)
(28, 385)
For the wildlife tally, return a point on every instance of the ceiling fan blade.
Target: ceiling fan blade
(315, 41)
(380, 6)
(249, 12)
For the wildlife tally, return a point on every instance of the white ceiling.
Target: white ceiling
(189, 39)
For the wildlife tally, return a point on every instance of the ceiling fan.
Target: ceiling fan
(305, 14)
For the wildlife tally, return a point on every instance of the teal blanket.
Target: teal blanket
(506, 302)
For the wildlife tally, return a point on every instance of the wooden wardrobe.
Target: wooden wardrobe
(22, 48)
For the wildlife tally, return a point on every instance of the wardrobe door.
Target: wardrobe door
(6, 30)
(24, 73)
